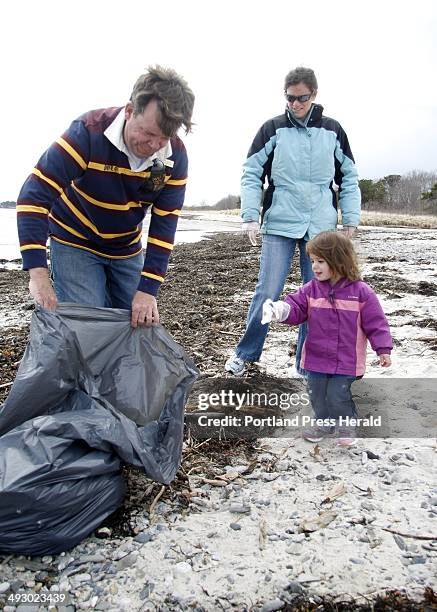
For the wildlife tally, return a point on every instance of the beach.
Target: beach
(266, 523)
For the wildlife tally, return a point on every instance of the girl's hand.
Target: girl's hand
(274, 311)
(384, 361)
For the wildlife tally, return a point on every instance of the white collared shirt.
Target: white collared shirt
(114, 133)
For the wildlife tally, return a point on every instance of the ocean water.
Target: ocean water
(191, 228)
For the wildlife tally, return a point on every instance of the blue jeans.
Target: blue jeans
(84, 278)
(276, 259)
(330, 395)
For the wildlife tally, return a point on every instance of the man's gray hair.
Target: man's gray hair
(174, 98)
(301, 75)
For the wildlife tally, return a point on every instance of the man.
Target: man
(90, 191)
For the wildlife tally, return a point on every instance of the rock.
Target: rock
(371, 455)
(103, 532)
(294, 587)
(143, 537)
(235, 526)
(298, 537)
(4, 586)
(396, 456)
(182, 569)
(308, 578)
(269, 477)
(272, 605)
(127, 561)
(77, 579)
(356, 560)
(236, 508)
(400, 541)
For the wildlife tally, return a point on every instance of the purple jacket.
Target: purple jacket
(340, 320)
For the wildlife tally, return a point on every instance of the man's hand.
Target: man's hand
(251, 228)
(349, 230)
(384, 361)
(144, 310)
(41, 288)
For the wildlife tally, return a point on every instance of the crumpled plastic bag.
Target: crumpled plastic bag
(91, 394)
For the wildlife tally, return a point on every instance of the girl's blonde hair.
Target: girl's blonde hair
(338, 252)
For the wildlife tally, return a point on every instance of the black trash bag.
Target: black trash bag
(67, 427)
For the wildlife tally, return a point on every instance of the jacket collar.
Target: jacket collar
(340, 284)
(314, 118)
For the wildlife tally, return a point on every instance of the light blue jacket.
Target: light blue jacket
(301, 164)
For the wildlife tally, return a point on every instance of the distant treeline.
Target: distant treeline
(8, 204)
(414, 193)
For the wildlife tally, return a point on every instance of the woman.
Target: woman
(307, 161)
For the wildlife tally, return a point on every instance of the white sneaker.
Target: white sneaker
(235, 365)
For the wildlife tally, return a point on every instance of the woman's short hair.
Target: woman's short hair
(338, 252)
(174, 98)
(301, 75)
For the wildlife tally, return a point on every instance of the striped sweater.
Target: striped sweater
(83, 193)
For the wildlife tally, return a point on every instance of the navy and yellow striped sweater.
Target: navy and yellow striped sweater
(83, 193)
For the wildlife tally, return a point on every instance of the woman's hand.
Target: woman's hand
(251, 228)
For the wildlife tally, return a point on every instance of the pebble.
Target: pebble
(97, 558)
(356, 560)
(400, 541)
(144, 537)
(235, 526)
(239, 509)
(77, 579)
(182, 569)
(4, 586)
(127, 561)
(366, 505)
(297, 537)
(269, 477)
(272, 605)
(103, 532)
(294, 587)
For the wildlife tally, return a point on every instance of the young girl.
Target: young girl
(342, 312)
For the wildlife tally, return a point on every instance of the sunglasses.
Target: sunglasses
(300, 99)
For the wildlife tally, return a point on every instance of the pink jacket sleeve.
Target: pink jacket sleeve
(375, 325)
(298, 307)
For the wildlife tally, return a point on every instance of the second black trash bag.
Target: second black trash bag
(90, 393)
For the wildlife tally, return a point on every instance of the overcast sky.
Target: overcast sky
(376, 63)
